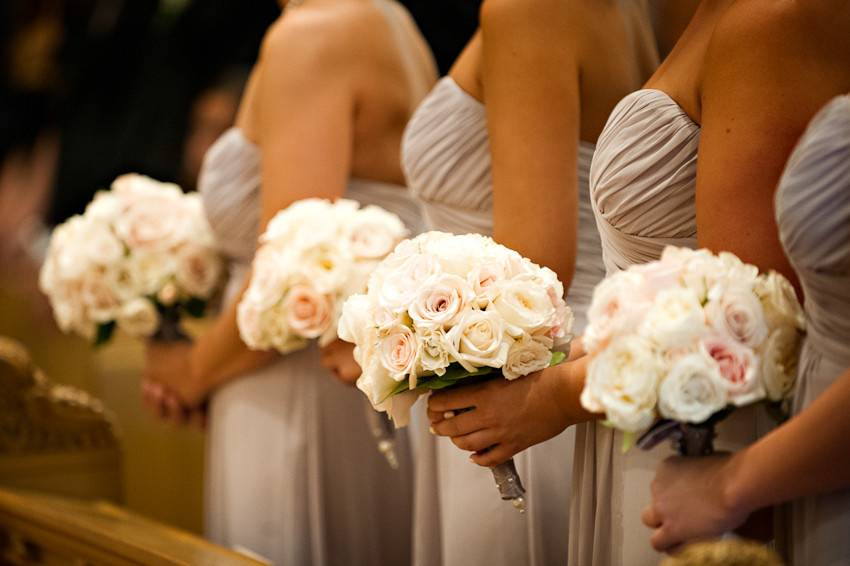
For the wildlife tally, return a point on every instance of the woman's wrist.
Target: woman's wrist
(739, 497)
(569, 382)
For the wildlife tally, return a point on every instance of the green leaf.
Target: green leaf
(557, 358)
(104, 333)
(195, 307)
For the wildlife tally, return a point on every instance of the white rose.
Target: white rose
(526, 356)
(675, 320)
(198, 270)
(479, 340)
(398, 352)
(399, 287)
(249, 321)
(780, 302)
(738, 366)
(738, 313)
(138, 318)
(267, 285)
(433, 351)
(439, 303)
(105, 207)
(98, 297)
(622, 382)
(101, 246)
(374, 232)
(153, 223)
(325, 267)
(308, 312)
(356, 319)
(484, 280)
(779, 357)
(617, 307)
(525, 306)
(693, 390)
(148, 273)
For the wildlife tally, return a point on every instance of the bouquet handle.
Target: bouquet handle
(169, 326)
(383, 430)
(509, 484)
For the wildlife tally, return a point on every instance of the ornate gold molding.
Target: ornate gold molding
(37, 415)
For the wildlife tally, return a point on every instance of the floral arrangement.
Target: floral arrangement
(686, 339)
(313, 256)
(140, 254)
(442, 309)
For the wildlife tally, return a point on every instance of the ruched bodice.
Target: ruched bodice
(813, 216)
(446, 158)
(643, 179)
(230, 188)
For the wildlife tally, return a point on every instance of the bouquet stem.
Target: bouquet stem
(510, 484)
(169, 327)
(695, 440)
(383, 430)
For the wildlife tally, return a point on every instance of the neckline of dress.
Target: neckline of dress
(658, 91)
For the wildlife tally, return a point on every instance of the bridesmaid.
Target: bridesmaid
(292, 466)
(502, 146)
(649, 191)
(803, 460)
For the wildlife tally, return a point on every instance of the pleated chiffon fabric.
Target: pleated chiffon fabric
(642, 188)
(458, 517)
(293, 472)
(813, 215)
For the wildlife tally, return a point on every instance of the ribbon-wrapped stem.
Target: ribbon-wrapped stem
(510, 484)
(170, 329)
(383, 430)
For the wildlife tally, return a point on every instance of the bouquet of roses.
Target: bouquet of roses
(443, 309)
(688, 338)
(141, 254)
(312, 256)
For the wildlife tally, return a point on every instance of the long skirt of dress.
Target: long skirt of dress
(611, 489)
(294, 474)
(820, 526)
(460, 519)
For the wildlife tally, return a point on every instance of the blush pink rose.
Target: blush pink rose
(308, 313)
(738, 368)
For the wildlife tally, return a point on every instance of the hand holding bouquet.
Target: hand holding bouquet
(139, 255)
(687, 339)
(442, 309)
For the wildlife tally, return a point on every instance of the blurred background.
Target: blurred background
(90, 89)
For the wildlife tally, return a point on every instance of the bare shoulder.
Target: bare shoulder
(325, 38)
(502, 13)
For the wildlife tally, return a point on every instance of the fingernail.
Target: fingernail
(471, 459)
(431, 430)
(448, 414)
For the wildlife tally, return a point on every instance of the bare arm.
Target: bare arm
(531, 93)
(303, 117)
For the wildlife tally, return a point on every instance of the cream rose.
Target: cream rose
(267, 284)
(308, 313)
(440, 302)
(152, 224)
(779, 356)
(138, 318)
(101, 246)
(374, 232)
(526, 356)
(675, 320)
(622, 381)
(525, 307)
(739, 368)
(400, 286)
(693, 390)
(198, 270)
(478, 339)
(249, 318)
(433, 351)
(738, 313)
(617, 307)
(98, 297)
(398, 352)
(780, 302)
